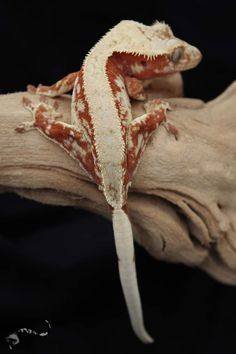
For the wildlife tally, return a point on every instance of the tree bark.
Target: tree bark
(182, 203)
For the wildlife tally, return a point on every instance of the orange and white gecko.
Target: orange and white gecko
(103, 136)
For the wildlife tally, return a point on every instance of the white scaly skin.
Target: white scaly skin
(102, 135)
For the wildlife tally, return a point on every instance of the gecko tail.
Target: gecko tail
(127, 270)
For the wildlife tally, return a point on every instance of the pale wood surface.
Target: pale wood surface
(183, 198)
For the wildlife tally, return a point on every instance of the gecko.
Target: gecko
(103, 136)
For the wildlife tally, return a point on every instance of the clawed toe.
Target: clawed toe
(28, 104)
(20, 128)
(172, 130)
(25, 126)
(31, 89)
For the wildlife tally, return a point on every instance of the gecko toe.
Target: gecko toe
(20, 128)
(28, 104)
(31, 89)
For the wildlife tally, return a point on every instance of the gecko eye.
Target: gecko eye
(177, 54)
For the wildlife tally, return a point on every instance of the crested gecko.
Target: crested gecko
(103, 136)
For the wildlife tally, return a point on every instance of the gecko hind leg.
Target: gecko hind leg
(37, 109)
(59, 88)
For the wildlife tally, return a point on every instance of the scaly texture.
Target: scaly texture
(103, 136)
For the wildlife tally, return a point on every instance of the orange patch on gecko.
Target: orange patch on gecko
(116, 81)
(60, 133)
(141, 67)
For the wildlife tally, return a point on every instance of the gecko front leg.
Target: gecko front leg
(59, 88)
(152, 106)
(141, 129)
(135, 88)
(43, 115)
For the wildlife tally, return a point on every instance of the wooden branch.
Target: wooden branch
(183, 198)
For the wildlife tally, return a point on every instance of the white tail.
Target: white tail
(125, 252)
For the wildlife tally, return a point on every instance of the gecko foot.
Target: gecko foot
(31, 89)
(153, 105)
(37, 109)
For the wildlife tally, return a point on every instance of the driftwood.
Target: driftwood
(182, 202)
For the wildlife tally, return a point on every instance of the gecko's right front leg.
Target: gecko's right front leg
(59, 88)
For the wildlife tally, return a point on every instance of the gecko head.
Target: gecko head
(181, 55)
(159, 40)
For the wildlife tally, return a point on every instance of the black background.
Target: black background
(59, 263)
